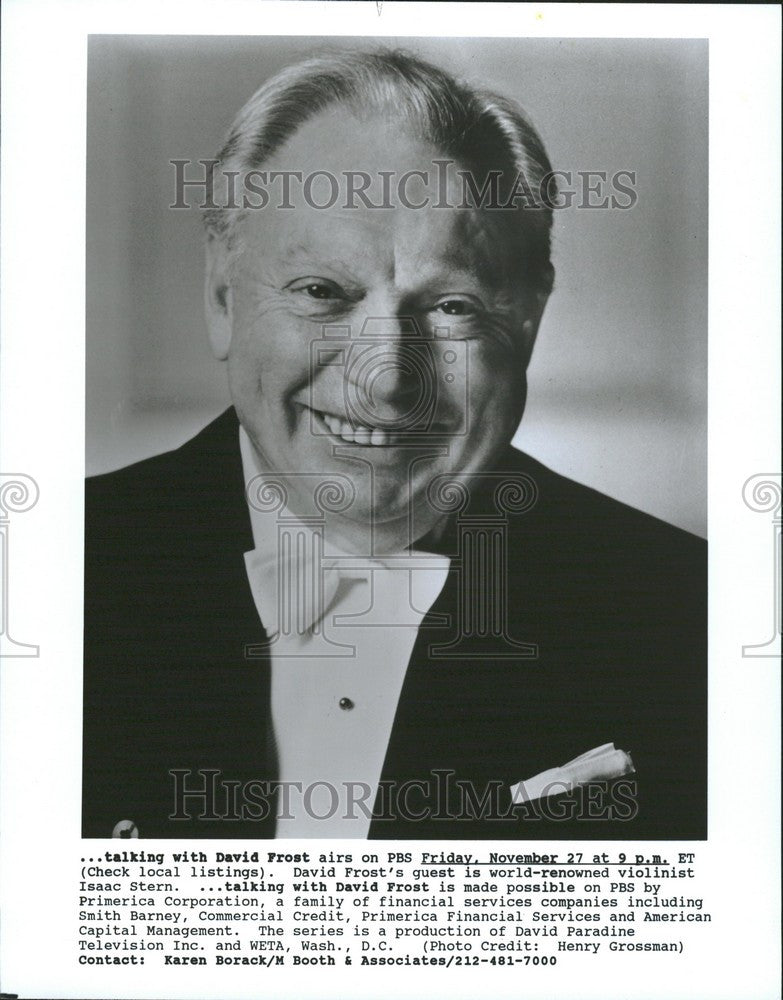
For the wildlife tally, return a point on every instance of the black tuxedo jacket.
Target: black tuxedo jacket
(176, 678)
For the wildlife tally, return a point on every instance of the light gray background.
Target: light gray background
(618, 382)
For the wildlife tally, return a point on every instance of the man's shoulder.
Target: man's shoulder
(602, 559)
(199, 457)
(191, 498)
(576, 511)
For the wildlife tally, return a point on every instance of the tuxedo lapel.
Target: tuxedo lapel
(466, 719)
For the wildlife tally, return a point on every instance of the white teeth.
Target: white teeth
(355, 435)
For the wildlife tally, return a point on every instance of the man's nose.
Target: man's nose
(390, 372)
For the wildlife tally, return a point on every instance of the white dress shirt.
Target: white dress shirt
(341, 641)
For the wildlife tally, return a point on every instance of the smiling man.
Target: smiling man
(348, 607)
(427, 277)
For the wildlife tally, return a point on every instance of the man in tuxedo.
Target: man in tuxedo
(348, 607)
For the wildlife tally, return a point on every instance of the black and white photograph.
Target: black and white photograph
(390, 500)
(373, 612)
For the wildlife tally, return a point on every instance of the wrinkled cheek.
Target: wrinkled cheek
(257, 370)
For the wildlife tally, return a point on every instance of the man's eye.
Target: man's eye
(317, 288)
(456, 307)
(316, 291)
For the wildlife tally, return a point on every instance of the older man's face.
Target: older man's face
(383, 345)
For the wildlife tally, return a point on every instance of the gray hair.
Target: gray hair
(479, 129)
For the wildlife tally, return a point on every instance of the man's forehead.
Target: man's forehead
(392, 241)
(397, 220)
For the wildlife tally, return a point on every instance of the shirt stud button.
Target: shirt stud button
(346, 704)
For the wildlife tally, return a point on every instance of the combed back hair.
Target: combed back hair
(480, 130)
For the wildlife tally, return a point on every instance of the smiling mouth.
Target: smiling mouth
(355, 433)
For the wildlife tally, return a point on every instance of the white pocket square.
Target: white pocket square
(601, 764)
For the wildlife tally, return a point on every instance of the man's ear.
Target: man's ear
(531, 324)
(218, 304)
